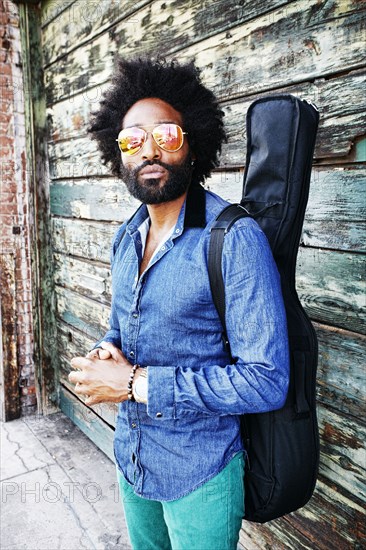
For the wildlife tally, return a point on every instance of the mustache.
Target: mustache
(136, 169)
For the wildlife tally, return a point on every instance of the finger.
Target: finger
(75, 377)
(92, 401)
(116, 353)
(81, 389)
(79, 362)
(93, 354)
(104, 354)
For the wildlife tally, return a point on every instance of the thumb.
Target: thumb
(104, 354)
(115, 352)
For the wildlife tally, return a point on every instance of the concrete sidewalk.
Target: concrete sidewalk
(58, 490)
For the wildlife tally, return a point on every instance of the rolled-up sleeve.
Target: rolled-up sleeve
(256, 328)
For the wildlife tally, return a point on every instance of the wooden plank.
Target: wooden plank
(156, 28)
(338, 129)
(37, 184)
(342, 451)
(52, 9)
(83, 277)
(88, 421)
(73, 343)
(335, 215)
(66, 25)
(331, 287)
(105, 411)
(81, 23)
(330, 521)
(103, 199)
(86, 315)
(341, 353)
(306, 48)
(341, 371)
(9, 370)
(334, 218)
(91, 240)
(330, 283)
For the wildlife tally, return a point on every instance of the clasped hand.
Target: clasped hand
(102, 376)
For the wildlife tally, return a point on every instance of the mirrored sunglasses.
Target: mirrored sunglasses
(169, 137)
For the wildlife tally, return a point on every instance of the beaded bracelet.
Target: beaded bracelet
(130, 382)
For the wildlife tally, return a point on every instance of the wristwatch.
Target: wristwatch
(139, 387)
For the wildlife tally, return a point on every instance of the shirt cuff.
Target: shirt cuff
(160, 399)
(115, 341)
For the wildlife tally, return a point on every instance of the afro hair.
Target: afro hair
(177, 84)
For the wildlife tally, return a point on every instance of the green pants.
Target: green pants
(209, 518)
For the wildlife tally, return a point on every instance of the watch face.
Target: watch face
(140, 389)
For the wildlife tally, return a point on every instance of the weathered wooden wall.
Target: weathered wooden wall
(246, 48)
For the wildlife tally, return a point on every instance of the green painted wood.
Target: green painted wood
(88, 421)
(338, 129)
(86, 315)
(360, 150)
(341, 370)
(73, 343)
(80, 22)
(103, 199)
(83, 239)
(107, 412)
(331, 286)
(330, 283)
(341, 353)
(84, 277)
(335, 216)
(309, 48)
(311, 41)
(43, 296)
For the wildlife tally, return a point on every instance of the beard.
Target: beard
(150, 191)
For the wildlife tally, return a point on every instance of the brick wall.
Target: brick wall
(15, 211)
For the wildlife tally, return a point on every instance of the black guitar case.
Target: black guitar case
(283, 445)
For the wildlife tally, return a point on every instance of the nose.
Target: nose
(151, 149)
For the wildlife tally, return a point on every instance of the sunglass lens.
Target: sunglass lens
(169, 137)
(131, 140)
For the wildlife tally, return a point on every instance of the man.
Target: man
(177, 444)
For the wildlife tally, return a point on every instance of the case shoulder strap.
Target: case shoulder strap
(219, 229)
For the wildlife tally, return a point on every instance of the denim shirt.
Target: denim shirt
(166, 320)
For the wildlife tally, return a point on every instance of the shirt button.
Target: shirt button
(163, 248)
(159, 415)
(133, 425)
(177, 230)
(132, 354)
(135, 315)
